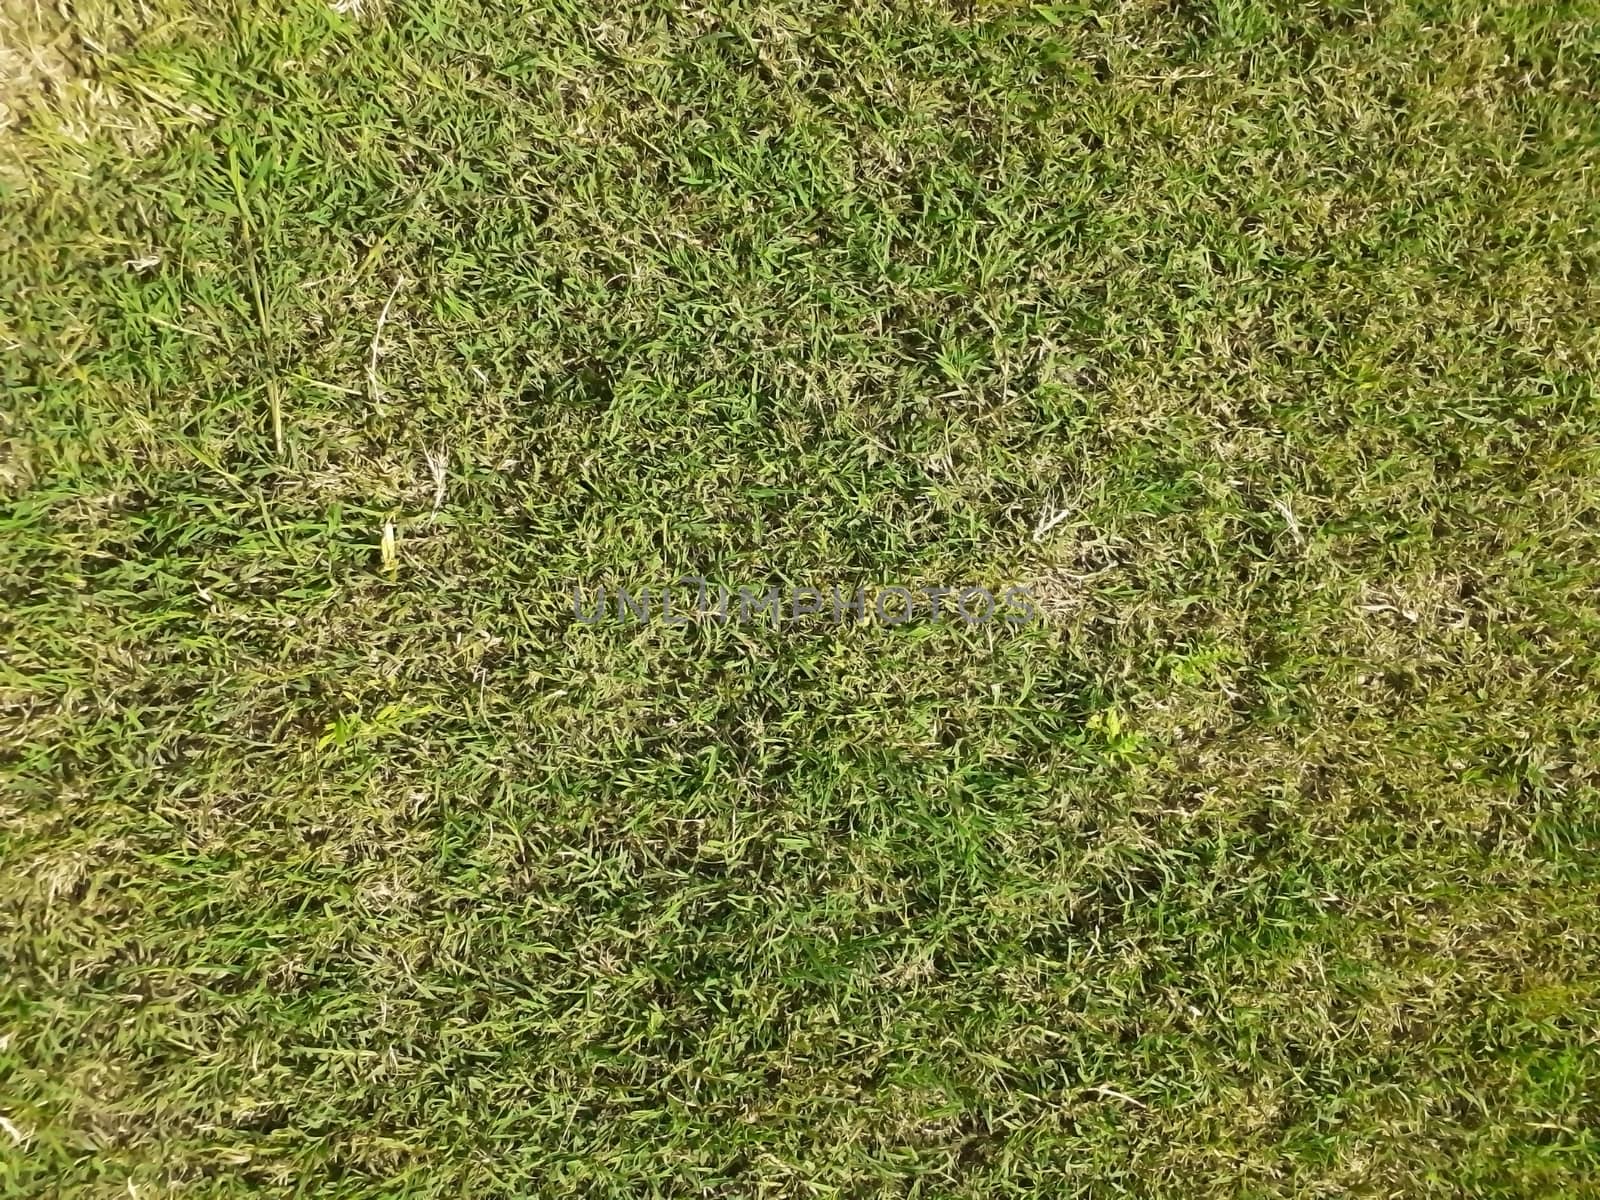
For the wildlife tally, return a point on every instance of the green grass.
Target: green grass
(1259, 339)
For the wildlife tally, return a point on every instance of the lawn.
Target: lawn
(343, 346)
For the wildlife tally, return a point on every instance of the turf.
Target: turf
(1257, 340)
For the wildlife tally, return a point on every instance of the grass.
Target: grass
(1259, 340)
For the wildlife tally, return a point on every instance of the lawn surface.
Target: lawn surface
(1258, 340)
